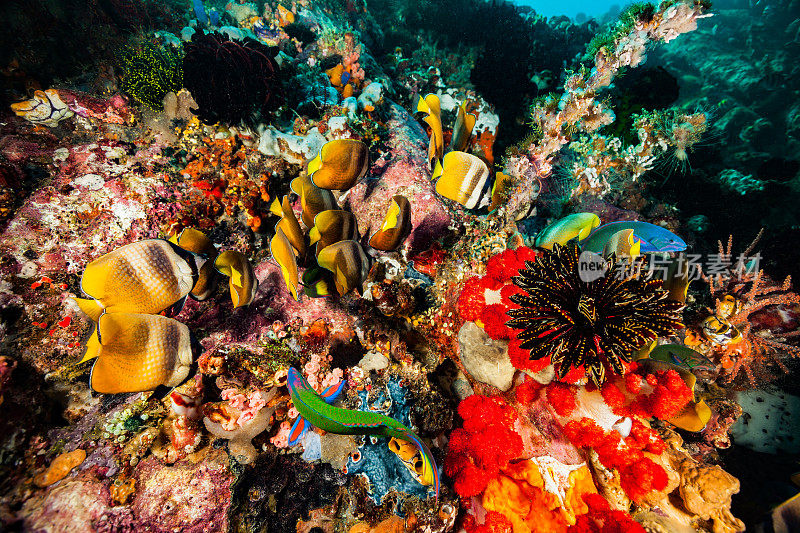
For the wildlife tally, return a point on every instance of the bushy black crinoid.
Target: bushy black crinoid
(232, 81)
(598, 324)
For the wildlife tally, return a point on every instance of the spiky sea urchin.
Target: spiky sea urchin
(598, 323)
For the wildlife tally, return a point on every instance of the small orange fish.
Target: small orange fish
(284, 254)
(349, 264)
(331, 227)
(241, 278)
(313, 200)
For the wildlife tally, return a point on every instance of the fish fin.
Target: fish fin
(437, 170)
(584, 232)
(176, 308)
(236, 276)
(391, 216)
(299, 429)
(275, 208)
(331, 393)
(636, 248)
(92, 347)
(313, 235)
(421, 105)
(315, 164)
(90, 307)
(160, 392)
(296, 186)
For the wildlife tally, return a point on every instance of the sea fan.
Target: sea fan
(232, 81)
(595, 323)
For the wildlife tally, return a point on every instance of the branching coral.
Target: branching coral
(231, 81)
(599, 157)
(730, 333)
(149, 72)
(578, 108)
(596, 324)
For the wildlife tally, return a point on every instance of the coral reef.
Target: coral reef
(385, 266)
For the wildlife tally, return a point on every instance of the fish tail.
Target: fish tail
(90, 307)
(409, 436)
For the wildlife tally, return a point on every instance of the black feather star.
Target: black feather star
(598, 323)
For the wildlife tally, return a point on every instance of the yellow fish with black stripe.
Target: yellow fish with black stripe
(463, 178)
(284, 254)
(142, 277)
(339, 164)
(462, 130)
(289, 224)
(138, 352)
(396, 226)
(333, 226)
(348, 263)
(197, 242)
(313, 200)
(432, 108)
(242, 280)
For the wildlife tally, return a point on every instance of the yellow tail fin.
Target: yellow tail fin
(90, 307)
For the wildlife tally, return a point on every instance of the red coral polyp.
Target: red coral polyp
(471, 301)
(485, 444)
(562, 399)
(494, 321)
(602, 519)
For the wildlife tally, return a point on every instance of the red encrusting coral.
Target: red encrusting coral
(561, 398)
(639, 475)
(484, 445)
(493, 522)
(602, 519)
(661, 394)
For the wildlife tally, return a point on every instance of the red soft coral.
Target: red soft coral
(641, 477)
(523, 254)
(506, 292)
(527, 391)
(485, 444)
(503, 266)
(602, 519)
(669, 396)
(493, 522)
(494, 321)
(562, 398)
(471, 301)
(615, 399)
(638, 474)
(521, 359)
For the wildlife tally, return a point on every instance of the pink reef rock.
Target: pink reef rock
(401, 172)
(66, 506)
(185, 497)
